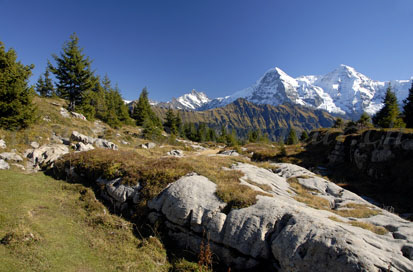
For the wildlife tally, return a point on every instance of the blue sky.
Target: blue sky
(215, 46)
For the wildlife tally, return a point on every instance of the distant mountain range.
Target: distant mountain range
(243, 116)
(343, 91)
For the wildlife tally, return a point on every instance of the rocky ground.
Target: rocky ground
(267, 216)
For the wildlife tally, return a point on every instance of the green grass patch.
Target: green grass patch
(49, 225)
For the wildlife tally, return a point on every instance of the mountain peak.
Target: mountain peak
(277, 71)
(342, 91)
(189, 101)
(348, 70)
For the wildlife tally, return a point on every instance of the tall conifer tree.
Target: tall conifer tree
(292, 137)
(408, 109)
(16, 109)
(389, 115)
(73, 72)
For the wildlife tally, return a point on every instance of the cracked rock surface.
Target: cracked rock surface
(280, 231)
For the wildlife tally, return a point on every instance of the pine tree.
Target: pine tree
(254, 136)
(350, 127)
(231, 138)
(143, 110)
(178, 124)
(16, 109)
(121, 110)
(170, 122)
(48, 84)
(73, 72)
(292, 138)
(364, 121)
(211, 135)
(389, 115)
(44, 85)
(408, 108)
(282, 151)
(202, 132)
(304, 136)
(338, 123)
(223, 135)
(150, 130)
(100, 91)
(40, 87)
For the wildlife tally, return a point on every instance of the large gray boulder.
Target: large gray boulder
(34, 145)
(102, 143)
(83, 147)
(47, 154)
(149, 145)
(229, 153)
(64, 112)
(11, 157)
(4, 165)
(78, 115)
(280, 231)
(117, 193)
(78, 137)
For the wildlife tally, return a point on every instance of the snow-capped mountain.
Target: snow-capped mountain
(343, 91)
(190, 101)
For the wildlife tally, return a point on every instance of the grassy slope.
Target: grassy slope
(42, 130)
(49, 225)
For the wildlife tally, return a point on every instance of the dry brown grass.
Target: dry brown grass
(154, 173)
(335, 218)
(229, 188)
(305, 195)
(264, 187)
(308, 197)
(368, 226)
(364, 225)
(357, 211)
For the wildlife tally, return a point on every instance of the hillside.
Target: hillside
(51, 225)
(81, 196)
(243, 116)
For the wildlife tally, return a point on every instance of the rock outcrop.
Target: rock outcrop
(78, 115)
(118, 194)
(46, 155)
(148, 145)
(281, 231)
(101, 143)
(11, 157)
(303, 223)
(64, 112)
(229, 153)
(80, 146)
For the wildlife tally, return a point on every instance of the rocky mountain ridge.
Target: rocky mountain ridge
(244, 116)
(344, 91)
